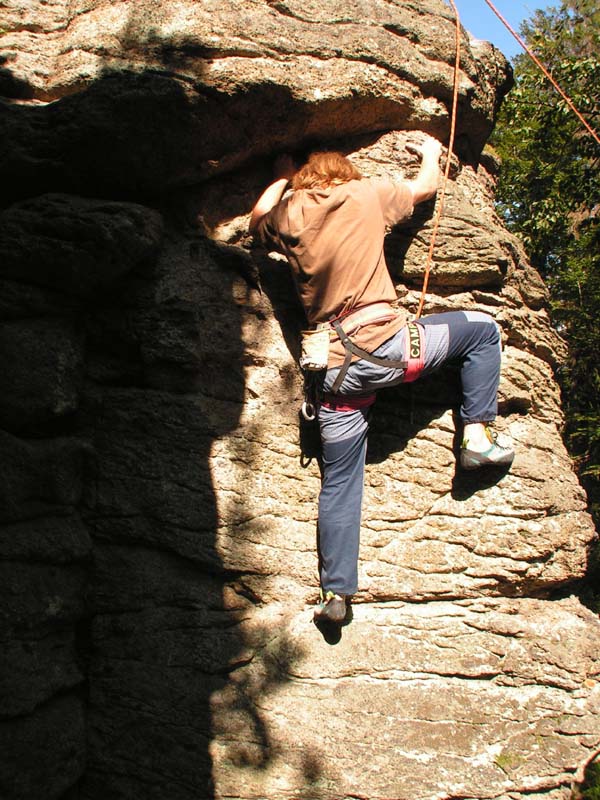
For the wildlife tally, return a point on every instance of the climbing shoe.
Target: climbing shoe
(332, 608)
(495, 455)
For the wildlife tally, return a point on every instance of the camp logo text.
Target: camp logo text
(414, 341)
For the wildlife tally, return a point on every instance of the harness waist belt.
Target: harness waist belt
(374, 312)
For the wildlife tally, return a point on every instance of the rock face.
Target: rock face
(158, 519)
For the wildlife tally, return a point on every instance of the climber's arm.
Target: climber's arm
(268, 200)
(425, 185)
(284, 172)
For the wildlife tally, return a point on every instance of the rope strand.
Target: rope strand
(440, 209)
(538, 63)
(563, 94)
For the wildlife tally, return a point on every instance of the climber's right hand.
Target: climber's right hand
(430, 148)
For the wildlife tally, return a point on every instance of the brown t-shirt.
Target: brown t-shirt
(333, 240)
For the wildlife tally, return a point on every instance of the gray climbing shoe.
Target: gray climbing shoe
(332, 608)
(495, 455)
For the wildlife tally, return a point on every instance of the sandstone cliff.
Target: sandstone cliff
(158, 521)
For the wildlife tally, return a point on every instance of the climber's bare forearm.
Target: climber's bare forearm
(268, 200)
(425, 185)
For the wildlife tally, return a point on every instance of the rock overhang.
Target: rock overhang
(207, 89)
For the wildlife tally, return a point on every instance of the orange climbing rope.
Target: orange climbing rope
(440, 209)
(538, 63)
(535, 59)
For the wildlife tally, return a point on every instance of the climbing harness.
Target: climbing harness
(414, 348)
(314, 344)
(354, 350)
(315, 349)
(353, 321)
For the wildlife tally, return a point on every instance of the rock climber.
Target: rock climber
(330, 223)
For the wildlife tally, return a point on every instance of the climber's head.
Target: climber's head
(324, 169)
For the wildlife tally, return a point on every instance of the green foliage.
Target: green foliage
(591, 787)
(549, 194)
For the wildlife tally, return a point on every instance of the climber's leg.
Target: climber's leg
(344, 440)
(473, 339)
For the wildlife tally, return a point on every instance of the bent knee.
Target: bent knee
(481, 316)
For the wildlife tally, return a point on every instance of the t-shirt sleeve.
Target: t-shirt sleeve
(271, 226)
(395, 199)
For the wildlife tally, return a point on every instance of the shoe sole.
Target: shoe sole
(488, 462)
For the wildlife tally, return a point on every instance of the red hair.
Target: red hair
(323, 169)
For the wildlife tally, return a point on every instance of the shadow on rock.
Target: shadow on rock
(467, 482)
(332, 631)
(146, 365)
(171, 663)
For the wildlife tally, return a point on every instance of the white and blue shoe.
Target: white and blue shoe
(495, 455)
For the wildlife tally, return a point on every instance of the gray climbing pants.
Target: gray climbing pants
(469, 337)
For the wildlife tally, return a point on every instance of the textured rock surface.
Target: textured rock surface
(158, 522)
(235, 80)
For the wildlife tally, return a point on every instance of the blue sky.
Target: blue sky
(479, 19)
